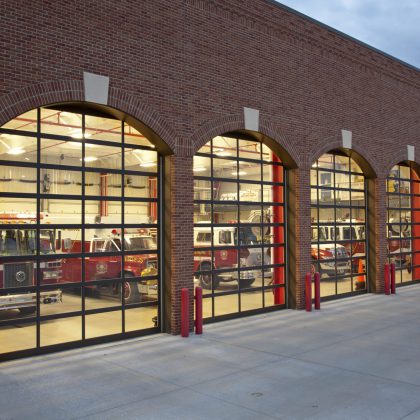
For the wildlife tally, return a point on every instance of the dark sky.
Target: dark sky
(389, 25)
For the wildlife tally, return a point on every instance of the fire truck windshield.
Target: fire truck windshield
(23, 242)
(134, 243)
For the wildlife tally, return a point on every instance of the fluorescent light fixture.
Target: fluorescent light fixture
(147, 164)
(222, 154)
(16, 151)
(199, 169)
(240, 173)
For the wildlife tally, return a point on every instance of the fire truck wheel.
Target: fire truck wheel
(205, 279)
(131, 291)
(316, 268)
(27, 311)
(246, 283)
(409, 268)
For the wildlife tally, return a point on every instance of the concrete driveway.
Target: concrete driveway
(357, 358)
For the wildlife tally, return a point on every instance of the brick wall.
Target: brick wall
(186, 68)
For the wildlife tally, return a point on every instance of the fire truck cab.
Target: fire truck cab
(18, 273)
(225, 258)
(99, 267)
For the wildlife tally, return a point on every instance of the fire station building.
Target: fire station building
(151, 146)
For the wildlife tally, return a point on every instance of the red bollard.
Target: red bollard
(387, 278)
(198, 310)
(185, 324)
(317, 279)
(393, 278)
(308, 292)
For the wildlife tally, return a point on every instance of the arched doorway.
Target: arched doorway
(240, 256)
(339, 224)
(79, 229)
(403, 222)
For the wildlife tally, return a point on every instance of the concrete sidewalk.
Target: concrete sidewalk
(358, 358)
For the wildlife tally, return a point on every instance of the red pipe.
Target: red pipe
(317, 279)
(393, 278)
(308, 292)
(198, 310)
(387, 278)
(184, 313)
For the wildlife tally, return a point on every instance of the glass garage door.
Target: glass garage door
(339, 228)
(79, 230)
(403, 227)
(239, 227)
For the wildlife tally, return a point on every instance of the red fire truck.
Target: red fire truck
(109, 267)
(227, 258)
(15, 274)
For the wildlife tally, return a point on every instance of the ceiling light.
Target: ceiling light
(222, 154)
(16, 151)
(147, 164)
(240, 173)
(199, 169)
(90, 158)
(78, 134)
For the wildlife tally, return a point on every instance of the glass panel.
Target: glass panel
(18, 148)
(103, 184)
(249, 149)
(223, 168)
(206, 148)
(140, 160)
(61, 123)
(224, 305)
(251, 300)
(98, 325)
(54, 181)
(225, 146)
(17, 210)
(100, 128)
(103, 157)
(202, 166)
(141, 318)
(51, 304)
(250, 192)
(60, 211)
(24, 122)
(59, 331)
(60, 152)
(140, 186)
(103, 295)
(15, 179)
(140, 212)
(19, 336)
(133, 136)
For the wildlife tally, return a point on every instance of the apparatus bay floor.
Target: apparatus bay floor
(357, 358)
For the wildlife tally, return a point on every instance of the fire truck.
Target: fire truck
(109, 267)
(19, 241)
(225, 258)
(329, 259)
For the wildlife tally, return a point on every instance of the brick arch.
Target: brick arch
(59, 91)
(368, 163)
(235, 122)
(401, 156)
